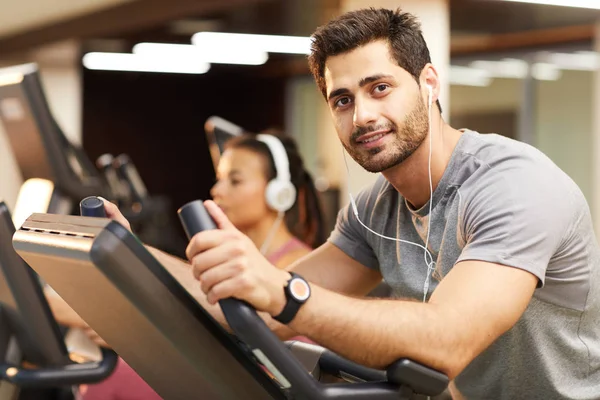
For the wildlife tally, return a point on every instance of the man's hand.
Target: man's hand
(228, 264)
(113, 212)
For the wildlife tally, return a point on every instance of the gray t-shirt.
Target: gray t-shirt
(504, 202)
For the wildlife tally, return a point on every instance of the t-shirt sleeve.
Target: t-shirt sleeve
(350, 236)
(517, 217)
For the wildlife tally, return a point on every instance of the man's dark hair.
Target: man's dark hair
(358, 28)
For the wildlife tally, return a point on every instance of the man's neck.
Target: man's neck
(411, 177)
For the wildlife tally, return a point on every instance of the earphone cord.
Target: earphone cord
(426, 255)
(430, 264)
(265, 246)
(355, 211)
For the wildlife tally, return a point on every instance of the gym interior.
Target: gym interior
(135, 100)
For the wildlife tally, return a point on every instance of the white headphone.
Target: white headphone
(280, 193)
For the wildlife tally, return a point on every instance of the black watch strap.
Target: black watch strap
(297, 291)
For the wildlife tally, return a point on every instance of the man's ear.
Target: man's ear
(430, 82)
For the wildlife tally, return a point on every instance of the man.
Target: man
(495, 237)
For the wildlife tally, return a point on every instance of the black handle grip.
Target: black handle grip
(195, 218)
(72, 374)
(92, 207)
(243, 319)
(418, 377)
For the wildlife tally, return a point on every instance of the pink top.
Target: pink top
(123, 384)
(290, 245)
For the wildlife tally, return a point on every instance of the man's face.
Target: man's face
(377, 108)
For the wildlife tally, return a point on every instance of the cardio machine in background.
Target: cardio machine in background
(57, 174)
(218, 131)
(149, 215)
(35, 363)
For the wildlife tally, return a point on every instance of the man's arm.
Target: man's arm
(474, 304)
(327, 266)
(332, 269)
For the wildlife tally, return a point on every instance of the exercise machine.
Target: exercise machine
(34, 361)
(39, 145)
(146, 314)
(57, 174)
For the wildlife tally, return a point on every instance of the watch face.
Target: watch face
(299, 289)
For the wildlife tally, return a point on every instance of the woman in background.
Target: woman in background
(283, 232)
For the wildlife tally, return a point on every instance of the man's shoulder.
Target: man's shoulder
(491, 159)
(504, 174)
(494, 150)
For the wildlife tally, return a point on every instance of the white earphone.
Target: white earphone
(430, 263)
(428, 257)
(280, 193)
(430, 89)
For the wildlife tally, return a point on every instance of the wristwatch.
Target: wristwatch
(297, 291)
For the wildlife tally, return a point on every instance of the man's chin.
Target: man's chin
(376, 160)
(376, 166)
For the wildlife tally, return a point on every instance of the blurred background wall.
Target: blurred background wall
(527, 71)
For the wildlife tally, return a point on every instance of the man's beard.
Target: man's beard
(405, 143)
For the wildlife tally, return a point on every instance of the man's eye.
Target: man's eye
(381, 88)
(342, 102)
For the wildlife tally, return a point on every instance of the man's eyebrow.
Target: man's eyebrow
(373, 78)
(361, 83)
(337, 92)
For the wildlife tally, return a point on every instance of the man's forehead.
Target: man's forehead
(348, 70)
(377, 53)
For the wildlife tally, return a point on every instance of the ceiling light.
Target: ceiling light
(134, 62)
(545, 72)
(507, 68)
(582, 61)
(268, 43)
(467, 76)
(211, 53)
(512, 68)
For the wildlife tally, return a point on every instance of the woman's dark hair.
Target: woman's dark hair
(357, 28)
(305, 218)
